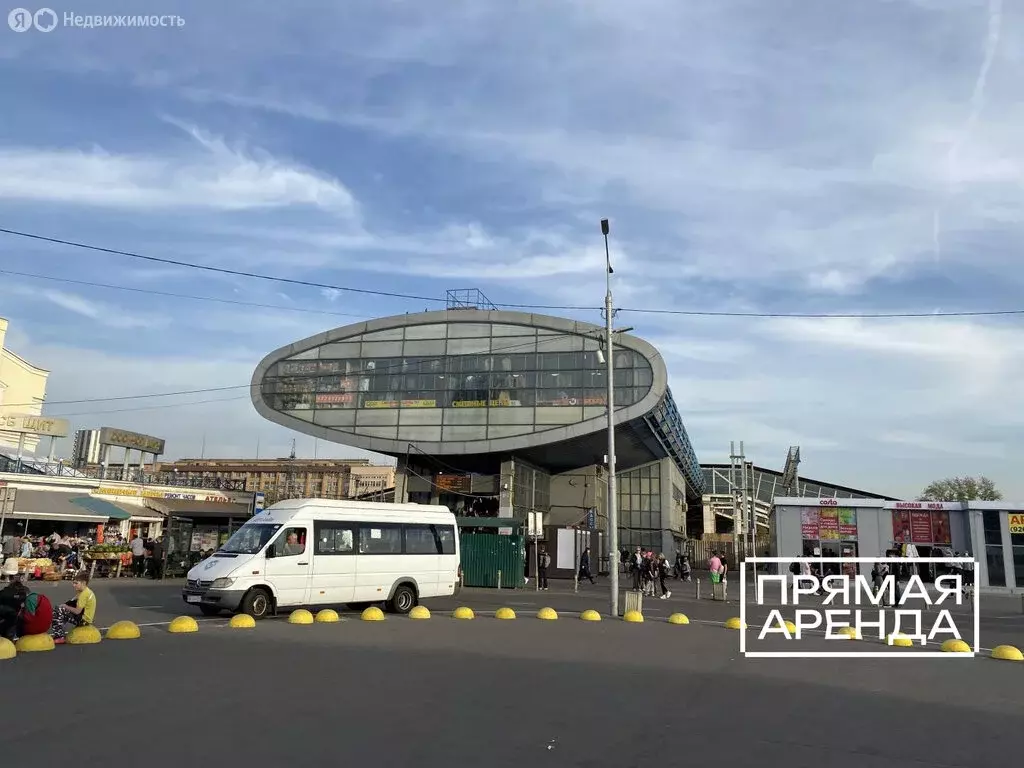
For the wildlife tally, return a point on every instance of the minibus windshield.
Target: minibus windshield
(250, 538)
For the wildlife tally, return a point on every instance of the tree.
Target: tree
(962, 489)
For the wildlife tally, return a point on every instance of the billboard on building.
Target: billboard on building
(28, 424)
(131, 440)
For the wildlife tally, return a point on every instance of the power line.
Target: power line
(170, 295)
(149, 407)
(218, 270)
(387, 369)
(506, 305)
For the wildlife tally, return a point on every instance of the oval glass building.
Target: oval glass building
(469, 394)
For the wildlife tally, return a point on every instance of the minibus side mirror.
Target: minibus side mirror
(270, 551)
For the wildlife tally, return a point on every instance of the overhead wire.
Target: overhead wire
(507, 305)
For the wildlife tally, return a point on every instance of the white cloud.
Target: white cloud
(211, 175)
(108, 315)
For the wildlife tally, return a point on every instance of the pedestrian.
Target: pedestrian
(585, 567)
(138, 548)
(715, 569)
(636, 565)
(156, 559)
(543, 561)
(78, 612)
(663, 571)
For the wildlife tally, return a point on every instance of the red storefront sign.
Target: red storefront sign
(940, 528)
(921, 527)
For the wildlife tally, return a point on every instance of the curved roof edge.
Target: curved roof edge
(501, 445)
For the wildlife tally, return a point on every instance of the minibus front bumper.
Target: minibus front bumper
(224, 599)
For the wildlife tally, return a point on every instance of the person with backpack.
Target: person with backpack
(36, 616)
(543, 562)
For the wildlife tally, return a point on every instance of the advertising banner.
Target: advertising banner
(1016, 523)
(940, 528)
(921, 527)
(828, 524)
(847, 523)
(809, 524)
(900, 526)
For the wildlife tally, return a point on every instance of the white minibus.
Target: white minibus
(312, 552)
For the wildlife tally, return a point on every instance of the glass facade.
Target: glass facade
(488, 380)
(640, 514)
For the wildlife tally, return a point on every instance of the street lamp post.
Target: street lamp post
(613, 512)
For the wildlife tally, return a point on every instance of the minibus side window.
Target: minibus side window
(291, 543)
(380, 539)
(420, 540)
(334, 538)
(446, 538)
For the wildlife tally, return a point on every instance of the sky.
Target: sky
(753, 157)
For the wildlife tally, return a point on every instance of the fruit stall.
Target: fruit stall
(107, 559)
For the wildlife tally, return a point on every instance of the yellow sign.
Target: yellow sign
(485, 403)
(402, 403)
(151, 494)
(1016, 523)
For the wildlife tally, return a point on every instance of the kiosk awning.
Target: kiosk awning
(208, 509)
(67, 507)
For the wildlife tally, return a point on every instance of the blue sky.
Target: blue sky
(753, 156)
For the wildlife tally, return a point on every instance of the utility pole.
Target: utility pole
(613, 511)
(734, 493)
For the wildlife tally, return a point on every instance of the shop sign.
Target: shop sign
(131, 440)
(335, 398)
(400, 403)
(27, 424)
(847, 524)
(169, 495)
(920, 527)
(486, 403)
(809, 524)
(931, 505)
(1016, 523)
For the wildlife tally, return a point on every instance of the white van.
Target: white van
(322, 552)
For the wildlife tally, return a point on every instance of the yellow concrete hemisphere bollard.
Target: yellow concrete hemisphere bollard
(547, 614)
(301, 616)
(419, 612)
(850, 632)
(1002, 652)
(327, 616)
(34, 644)
(735, 623)
(87, 635)
(505, 614)
(955, 645)
(678, 618)
(462, 612)
(633, 617)
(242, 621)
(7, 649)
(590, 615)
(183, 625)
(900, 641)
(373, 613)
(124, 630)
(790, 627)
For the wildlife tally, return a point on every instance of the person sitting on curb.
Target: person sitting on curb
(79, 612)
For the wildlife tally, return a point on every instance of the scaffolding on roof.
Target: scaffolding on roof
(468, 298)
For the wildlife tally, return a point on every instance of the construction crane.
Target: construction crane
(790, 477)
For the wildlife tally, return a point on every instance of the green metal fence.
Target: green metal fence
(485, 555)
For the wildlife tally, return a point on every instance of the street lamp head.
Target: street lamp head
(604, 227)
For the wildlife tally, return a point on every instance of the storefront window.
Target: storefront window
(1017, 541)
(992, 524)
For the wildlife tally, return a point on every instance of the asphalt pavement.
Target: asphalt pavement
(517, 693)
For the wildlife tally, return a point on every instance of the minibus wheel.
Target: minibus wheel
(257, 603)
(404, 599)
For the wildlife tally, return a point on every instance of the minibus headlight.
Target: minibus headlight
(222, 583)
